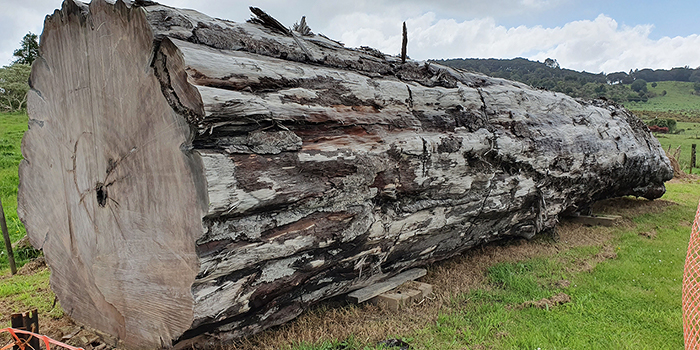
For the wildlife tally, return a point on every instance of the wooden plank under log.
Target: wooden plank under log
(26, 321)
(597, 220)
(404, 295)
(193, 179)
(369, 292)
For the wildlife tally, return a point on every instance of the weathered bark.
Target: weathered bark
(188, 175)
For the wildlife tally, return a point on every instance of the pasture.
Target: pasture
(685, 139)
(679, 98)
(622, 284)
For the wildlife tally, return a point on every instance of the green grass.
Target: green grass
(685, 139)
(678, 98)
(350, 343)
(12, 127)
(24, 292)
(630, 302)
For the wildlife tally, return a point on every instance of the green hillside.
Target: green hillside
(679, 97)
(616, 86)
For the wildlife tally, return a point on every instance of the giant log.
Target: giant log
(186, 175)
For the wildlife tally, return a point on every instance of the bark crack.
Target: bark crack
(163, 75)
(481, 209)
(483, 105)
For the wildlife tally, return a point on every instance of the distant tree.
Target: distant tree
(647, 74)
(639, 85)
(28, 51)
(551, 63)
(680, 74)
(695, 77)
(663, 93)
(14, 86)
(654, 84)
(601, 89)
(577, 84)
(619, 78)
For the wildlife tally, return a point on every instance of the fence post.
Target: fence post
(27, 321)
(692, 158)
(8, 243)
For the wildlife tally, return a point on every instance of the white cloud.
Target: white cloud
(437, 29)
(592, 45)
(18, 18)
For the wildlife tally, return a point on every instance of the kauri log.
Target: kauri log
(186, 175)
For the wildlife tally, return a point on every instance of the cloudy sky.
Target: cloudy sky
(591, 35)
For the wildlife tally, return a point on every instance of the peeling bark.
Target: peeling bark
(189, 176)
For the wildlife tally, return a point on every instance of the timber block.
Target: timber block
(395, 300)
(372, 291)
(598, 220)
(407, 293)
(425, 288)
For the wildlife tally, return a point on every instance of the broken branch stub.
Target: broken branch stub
(188, 176)
(404, 43)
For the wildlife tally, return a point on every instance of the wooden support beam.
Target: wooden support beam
(27, 321)
(367, 293)
(424, 288)
(598, 220)
(8, 243)
(395, 300)
(406, 294)
(404, 43)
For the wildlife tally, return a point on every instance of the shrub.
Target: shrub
(668, 124)
(14, 86)
(639, 85)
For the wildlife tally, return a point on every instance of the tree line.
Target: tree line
(14, 78)
(619, 86)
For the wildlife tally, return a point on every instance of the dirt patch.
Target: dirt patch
(630, 207)
(651, 234)
(587, 264)
(32, 267)
(65, 330)
(606, 253)
(688, 178)
(61, 329)
(562, 284)
(547, 303)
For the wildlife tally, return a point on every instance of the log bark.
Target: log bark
(186, 175)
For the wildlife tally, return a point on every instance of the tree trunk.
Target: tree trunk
(187, 175)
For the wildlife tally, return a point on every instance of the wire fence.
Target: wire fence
(691, 288)
(21, 339)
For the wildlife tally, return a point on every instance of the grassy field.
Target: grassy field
(623, 284)
(678, 98)
(624, 292)
(684, 140)
(12, 127)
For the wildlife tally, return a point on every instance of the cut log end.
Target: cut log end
(108, 144)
